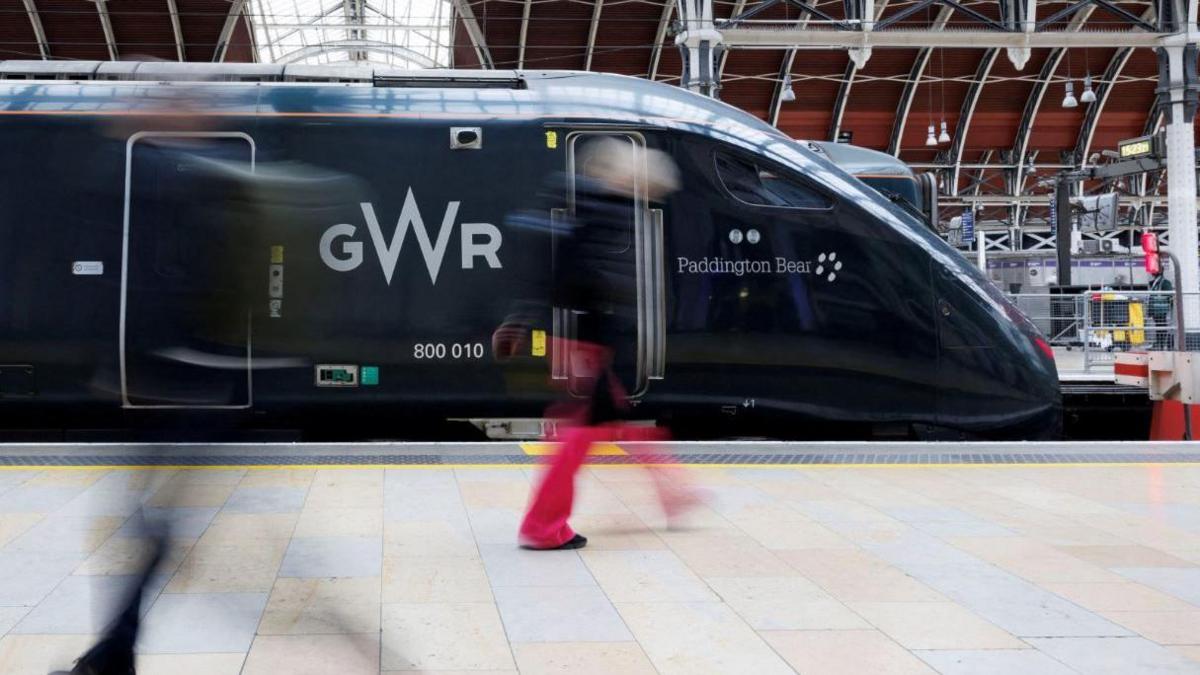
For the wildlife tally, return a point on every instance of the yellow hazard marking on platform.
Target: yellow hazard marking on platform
(538, 342)
(276, 255)
(552, 448)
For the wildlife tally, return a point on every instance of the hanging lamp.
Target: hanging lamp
(1069, 100)
(787, 95)
(1088, 96)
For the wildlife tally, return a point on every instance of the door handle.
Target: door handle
(944, 307)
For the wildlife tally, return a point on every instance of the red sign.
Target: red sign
(1150, 248)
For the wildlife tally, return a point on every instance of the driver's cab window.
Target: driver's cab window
(759, 185)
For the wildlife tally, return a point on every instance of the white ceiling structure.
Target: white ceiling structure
(397, 33)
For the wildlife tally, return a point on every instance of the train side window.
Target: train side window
(757, 185)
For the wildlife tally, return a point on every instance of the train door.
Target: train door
(184, 324)
(632, 251)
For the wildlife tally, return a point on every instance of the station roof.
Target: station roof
(171, 30)
(996, 115)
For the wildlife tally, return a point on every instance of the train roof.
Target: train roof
(100, 88)
(861, 161)
(174, 71)
(241, 88)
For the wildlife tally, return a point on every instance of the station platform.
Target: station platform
(813, 558)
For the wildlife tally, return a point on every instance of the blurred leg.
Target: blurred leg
(113, 653)
(670, 481)
(545, 523)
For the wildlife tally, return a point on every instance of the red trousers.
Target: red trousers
(545, 523)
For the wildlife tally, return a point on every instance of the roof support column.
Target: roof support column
(176, 29)
(1178, 90)
(597, 7)
(699, 46)
(110, 40)
(785, 69)
(38, 32)
(235, 11)
(463, 9)
(866, 21)
(659, 36)
(525, 11)
(739, 6)
(958, 143)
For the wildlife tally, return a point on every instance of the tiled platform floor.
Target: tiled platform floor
(891, 569)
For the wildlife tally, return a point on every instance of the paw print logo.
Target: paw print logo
(828, 263)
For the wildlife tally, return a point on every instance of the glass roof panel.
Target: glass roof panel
(397, 33)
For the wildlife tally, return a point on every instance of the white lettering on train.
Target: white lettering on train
(478, 240)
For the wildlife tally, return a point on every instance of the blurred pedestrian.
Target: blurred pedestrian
(595, 280)
(113, 653)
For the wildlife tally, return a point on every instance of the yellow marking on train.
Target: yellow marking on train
(552, 139)
(538, 342)
(542, 449)
(276, 255)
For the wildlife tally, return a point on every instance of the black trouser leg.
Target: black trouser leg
(113, 654)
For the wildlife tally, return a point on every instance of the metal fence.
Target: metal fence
(1088, 329)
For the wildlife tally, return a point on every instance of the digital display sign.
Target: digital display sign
(1136, 147)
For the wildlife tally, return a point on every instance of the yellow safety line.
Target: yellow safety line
(276, 467)
(542, 449)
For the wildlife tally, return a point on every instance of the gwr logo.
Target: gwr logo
(350, 253)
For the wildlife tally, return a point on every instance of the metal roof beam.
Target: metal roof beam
(235, 11)
(377, 46)
(253, 38)
(526, 10)
(1034, 102)
(959, 142)
(1153, 118)
(110, 39)
(786, 38)
(176, 29)
(839, 104)
(789, 58)
(661, 34)
(39, 33)
(979, 181)
(913, 83)
(597, 7)
(1078, 6)
(1017, 15)
(785, 69)
(738, 7)
(482, 53)
(1087, 130)
(342, 25)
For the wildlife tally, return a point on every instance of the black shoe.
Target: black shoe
(578, 541)
(106, 658)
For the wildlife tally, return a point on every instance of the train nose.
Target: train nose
(998, 377)
(1035, 378)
